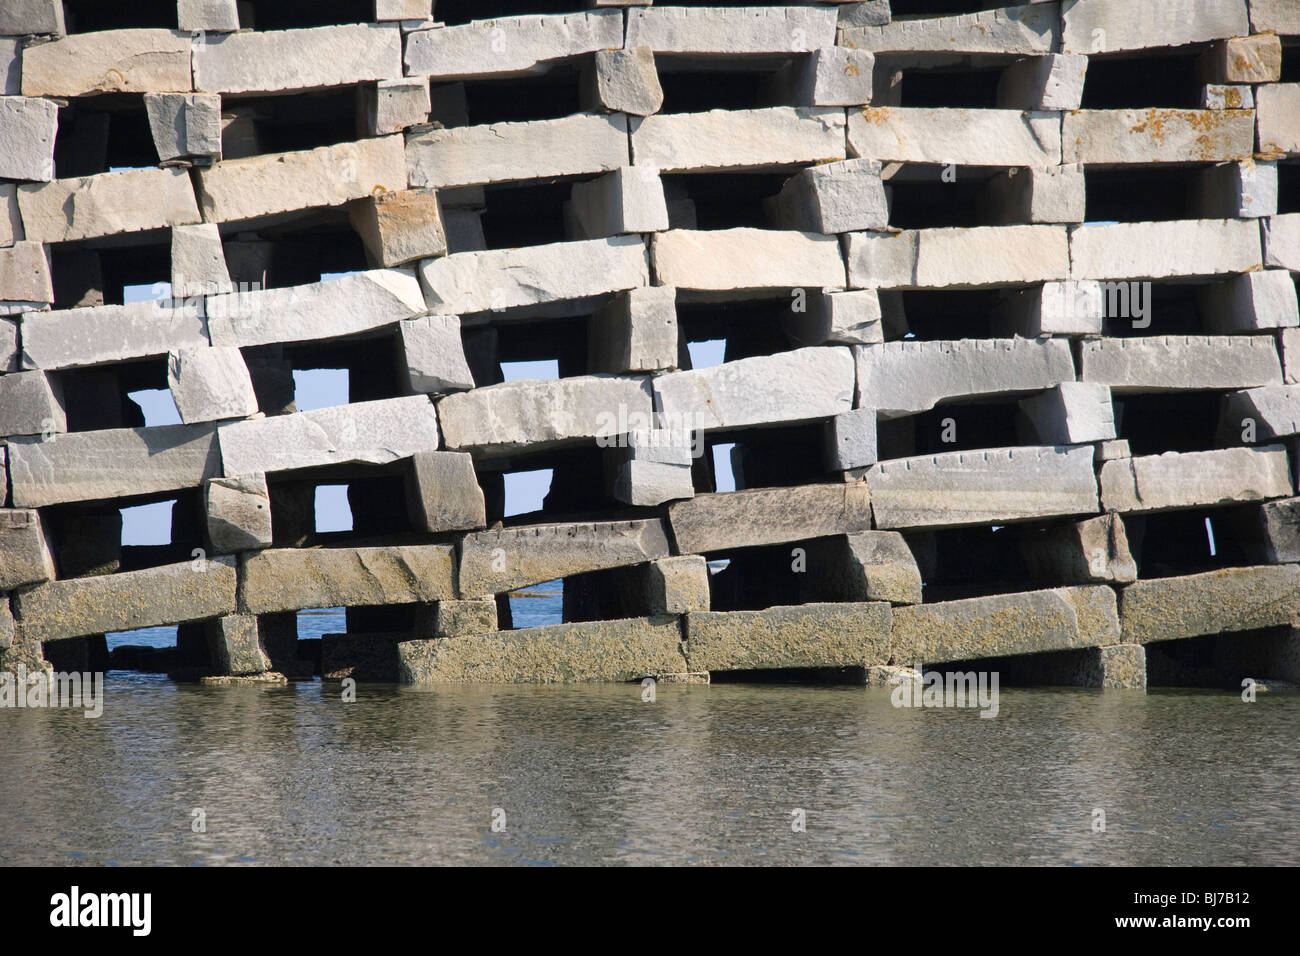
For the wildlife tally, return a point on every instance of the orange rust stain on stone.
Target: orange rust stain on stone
(875, 115)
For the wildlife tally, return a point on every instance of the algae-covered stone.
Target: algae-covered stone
(1004, 624)
(235, 646)
(171, 594)
(293, 579)
(1231, 599)
(624, 650)
(808, 635)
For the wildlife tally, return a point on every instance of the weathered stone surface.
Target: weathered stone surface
(125, 61)
(1232, 599)
(1109, 26)
(1279, 523)
(1220, 96)
(678, 585)
(958, 258)
(394, 105)
(504, 278)
(739, 139)
(238, 513)
(1282, 241)
(644, 481)
(342, 306)
(831, 76)
(845, 318)
(434, 353)
(1049, 194)
(902, 378)
(1055, 308)
(109, 333)
(1190, 479)
(327, 176)
(865, 566)
(400, 226)
(792, 29)
(65, 210)
(851, 440)
(1253, 59)
(730, 259)
(1026, 29)
(807, 635)
(1255, 300)
(171, 594)
(1246, 190)
(1270, 412)
(1157, 135)
(27, 558)
(510, 45)
(975, 137)
(1173, 362)
(1278, 114)
(1279, 15)
(533, 412)
(1092, 551)
(626, 81)
(1004, 624)
(745, 519)
(198, 262)
(8, 345)
(465, 618)
(792, 386)
(832, 198)
(475, 155)
(236, 649)
(114, 463)
(493, 562)
(624, 650)
(1071, 413)
(20, 17)
(1051, 82)
(11, 221)
(444, 492)
(209, 384)
(269, 61)
(215, 15)
(1118, 667)
(996, 486)
(291, 579)
(375, 432)
(27, 130)
(31, 403)
(185, 125)
(25, 274)
(1157, 250)
(627, 200)
(635, 332)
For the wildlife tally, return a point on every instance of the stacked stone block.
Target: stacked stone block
(998, 332)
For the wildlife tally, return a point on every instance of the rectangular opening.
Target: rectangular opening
(1224, 661)
(543, 348)
(774, 457)
(922, 198)
(538, 605)
(295, 14)
(959, 563)
(89, 16)
(945, 315)
(690, 89)
(162, 531)
(752, 579)
(1142, 82)
(99, 133)
(551, 95)
(966, 426)
(524, 215)
(746, 328)
(917, 9)
(291, 122)
(726, 200)
(332, 511)
(299, 251)
(1288, 186)
(1161, 422)
(1156, 308)
(966, 89)
(146, 650)
(127, 395)
(1141, 193)
(453, 12)
(86, 276)
(1192, 541)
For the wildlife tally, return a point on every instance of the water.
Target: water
(593, 774)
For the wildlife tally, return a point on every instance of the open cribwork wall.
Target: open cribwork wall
(1007, 297)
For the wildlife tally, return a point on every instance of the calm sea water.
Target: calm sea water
(596, 775)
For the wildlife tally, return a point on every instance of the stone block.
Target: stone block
(394, 105)
(270, 61)
(1157, 135)
(958, 258)
(1050, 82)
(1092, 551)
(290, 579)
(865, 566)
(465, 618)
(619, 651)
(1112, 26)
(185, 125)
(218, 16)
(743, 258)
(209, 384)
(1163, 363)
(1246, 190)
(971, 137)
(238, 514)
(236, 648)
(747, 519)
(1071, 413)
(1250, 302)
(851, 440)
(434, 354)
(25, 274)
(635, 332)
(624, 81)
(802, 636)
(110, 333)
(1027, 29)
(31, 403)
(722, 30)
(832, 198)
(1278, 116)
(1050, 194)
(198, 262)
(505, 559)
(444, 492)
(27, 130)
(109, 61)
(996, 486)
(1193, 605)
(89, 207)
(510, 46)
(1159, 250)
(22, 17)
(1281, 236)
(723, 140)
(1178, 480)
(374, 432)
(27, 558)
(678, 585)
(400, 226)
(171, 594)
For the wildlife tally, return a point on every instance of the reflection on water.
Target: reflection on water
(592, 774)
